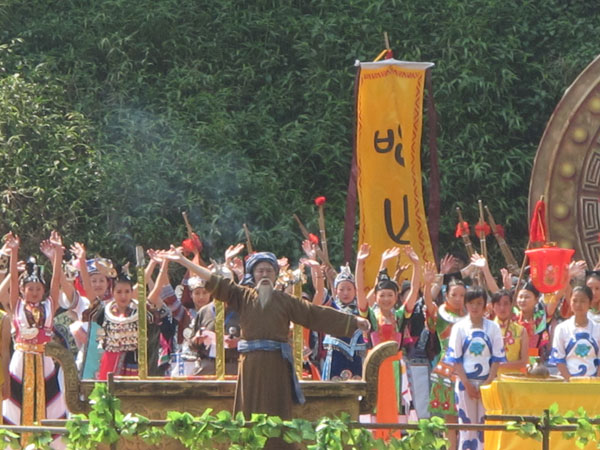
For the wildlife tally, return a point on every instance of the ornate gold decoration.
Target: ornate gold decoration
(371, 373)
(72, 384)
(566, 169)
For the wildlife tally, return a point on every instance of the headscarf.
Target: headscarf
(344, 275)
(251, 263)
(385, 282)
(195, 282)
(102, 266)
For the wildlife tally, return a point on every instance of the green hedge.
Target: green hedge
(128, 112)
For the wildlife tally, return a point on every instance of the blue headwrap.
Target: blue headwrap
(251, 263)
(102, 266)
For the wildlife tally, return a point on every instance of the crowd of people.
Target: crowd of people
(459, 323)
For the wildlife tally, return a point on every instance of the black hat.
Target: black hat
(531, 288)
(385, 282)
(33, 273)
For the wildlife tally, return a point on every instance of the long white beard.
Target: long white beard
(265, 291)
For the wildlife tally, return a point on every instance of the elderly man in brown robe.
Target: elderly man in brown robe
(266, 380)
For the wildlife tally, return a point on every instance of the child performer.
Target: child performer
(201, 342)
(35, 393)
(575, 344)
(344, 354)
(386, 323)
(119, 329)
(96, 278)
(441, 320)
(475, 349)
(535, 316)
(516, 340)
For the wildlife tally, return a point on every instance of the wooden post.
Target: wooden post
(142, 318)
(248, 241)
(297, 333)
(219, 337)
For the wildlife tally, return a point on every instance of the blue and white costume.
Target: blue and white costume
(476, 349)
(577, 347)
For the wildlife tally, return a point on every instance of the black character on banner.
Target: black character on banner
(386, 144)
(389, 226)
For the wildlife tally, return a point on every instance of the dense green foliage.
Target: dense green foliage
(117, 115)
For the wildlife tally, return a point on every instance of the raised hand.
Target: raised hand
(390, 254)
(447, 264)
(412, 255)
(283, 263)
(577, 269)
(47, 249)
(429, 273)
(478, 261)
(237, 266)
(309, 249)
(506, 279)
(232, 251)
(400, 270)
(309, 262)
(78, 249)
(5, 249)
(154, 256)
(12, 241)
(56, 240)
(173, 254)
(363, 252)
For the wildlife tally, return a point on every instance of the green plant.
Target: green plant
(107, 424)
(112, 124)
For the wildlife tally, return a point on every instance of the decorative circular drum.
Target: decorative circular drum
(566, 169)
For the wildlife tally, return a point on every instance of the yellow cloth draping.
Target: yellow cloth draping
(525, 397)
(388, 150)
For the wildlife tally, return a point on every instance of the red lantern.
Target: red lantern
(549, 265)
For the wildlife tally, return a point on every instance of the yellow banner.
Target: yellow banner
(388, 150)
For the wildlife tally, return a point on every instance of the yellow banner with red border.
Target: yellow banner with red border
(388, 151)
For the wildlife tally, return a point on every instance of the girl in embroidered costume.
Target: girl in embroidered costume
(386, 323)
(95, 282)
(516, 340)
(475, 348)
(535, 316)
(575, 344)
(35, 393)
(344, 355)
(118, 320)
(441, 320)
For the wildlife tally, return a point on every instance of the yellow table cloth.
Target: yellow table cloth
(530, 397)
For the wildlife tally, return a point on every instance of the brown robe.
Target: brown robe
(264, 378)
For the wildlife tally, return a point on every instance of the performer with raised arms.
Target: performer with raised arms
(267, 382)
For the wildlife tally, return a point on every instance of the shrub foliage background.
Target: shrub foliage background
(117, 115)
